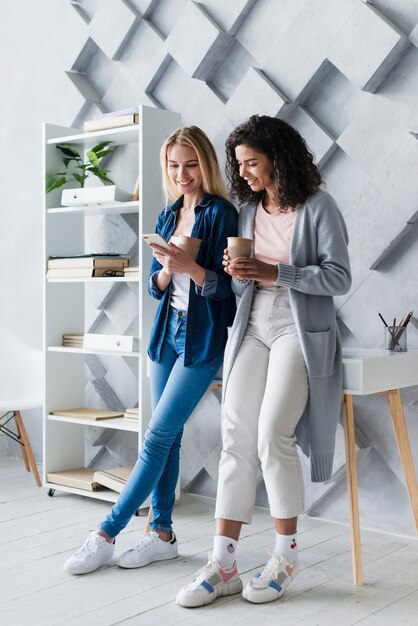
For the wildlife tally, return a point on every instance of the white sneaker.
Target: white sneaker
(209, 583)
(95, 552)
(271, 583)
(151, 548)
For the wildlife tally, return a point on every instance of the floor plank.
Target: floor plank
(38, 533)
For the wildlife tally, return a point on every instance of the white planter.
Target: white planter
(94, 195)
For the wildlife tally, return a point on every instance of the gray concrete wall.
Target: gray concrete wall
(344, 73)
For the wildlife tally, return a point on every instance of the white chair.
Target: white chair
(20, 388)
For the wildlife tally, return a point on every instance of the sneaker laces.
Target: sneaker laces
(207, 569)
(87, 549)
(146, 541)
(271, 569)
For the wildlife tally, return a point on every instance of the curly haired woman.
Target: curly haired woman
(283, 366)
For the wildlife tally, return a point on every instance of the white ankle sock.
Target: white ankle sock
(286, 545)
(224, 550)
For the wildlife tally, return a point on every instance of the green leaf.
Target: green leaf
(57, 183)
(67, 160)
(106, 180)
(104, 153)
(92, 157)
(101, 145)
(79, 178)
(55, 174)
(68, 150)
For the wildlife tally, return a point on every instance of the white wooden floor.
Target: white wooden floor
(38, 533)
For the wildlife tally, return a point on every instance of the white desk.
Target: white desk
(367, 372)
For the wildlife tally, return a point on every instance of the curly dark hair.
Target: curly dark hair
(295, 174)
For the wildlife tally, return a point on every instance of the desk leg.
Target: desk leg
(402, 439)
(352, 489)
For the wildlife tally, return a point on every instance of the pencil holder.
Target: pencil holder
(395, 338)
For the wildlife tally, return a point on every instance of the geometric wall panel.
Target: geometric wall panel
(378, 46)
(228, 15)
(318, 139)
(255, 94)
(374, 145)
(383, 209)
(400, 88)
(112, 26)
(196, 42)
(344, 73)
(145, 56)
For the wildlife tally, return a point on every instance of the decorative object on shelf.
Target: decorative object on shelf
(118, 343)
(94, 195)
(114, 478)
(73, 159)
(80, 478)
(87, 413)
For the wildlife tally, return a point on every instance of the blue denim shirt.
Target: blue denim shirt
(211, 307)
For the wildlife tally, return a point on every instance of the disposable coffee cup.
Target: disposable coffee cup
(190, 245)
(239, 246)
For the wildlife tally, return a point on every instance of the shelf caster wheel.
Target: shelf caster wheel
(51, 492)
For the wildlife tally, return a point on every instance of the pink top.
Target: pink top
(272, 235)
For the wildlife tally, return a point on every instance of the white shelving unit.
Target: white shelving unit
(64, 299)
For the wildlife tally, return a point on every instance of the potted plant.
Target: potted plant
(77, 170)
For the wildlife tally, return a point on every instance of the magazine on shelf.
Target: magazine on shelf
(114, 478)
(87, 413)
(80, 478)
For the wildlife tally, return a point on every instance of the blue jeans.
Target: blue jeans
(175, 391)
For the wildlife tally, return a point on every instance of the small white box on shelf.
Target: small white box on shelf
(94, 195)
(119, 343)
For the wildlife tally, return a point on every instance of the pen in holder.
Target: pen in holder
(395, 338)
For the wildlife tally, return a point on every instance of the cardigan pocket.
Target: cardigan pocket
(320, 352)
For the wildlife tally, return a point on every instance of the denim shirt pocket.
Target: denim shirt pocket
(320, 348)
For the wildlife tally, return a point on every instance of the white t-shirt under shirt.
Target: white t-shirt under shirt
(272, 235)
(180, 287)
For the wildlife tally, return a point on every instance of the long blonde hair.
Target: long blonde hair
(195, 138)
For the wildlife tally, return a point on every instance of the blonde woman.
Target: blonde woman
(185, 348)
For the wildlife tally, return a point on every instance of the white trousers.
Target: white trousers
(265, 397)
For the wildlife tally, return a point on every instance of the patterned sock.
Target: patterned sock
(286, 545)
(224, 550)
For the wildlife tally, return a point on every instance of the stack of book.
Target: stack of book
(114, 478)
(73, 340)
(131, 415)
(86, 413)
(132, 271)
(115, 119)
(80, 478)
(86, 265)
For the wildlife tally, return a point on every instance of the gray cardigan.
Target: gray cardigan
(318, 269)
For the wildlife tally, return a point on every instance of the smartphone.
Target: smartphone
(157, 239)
